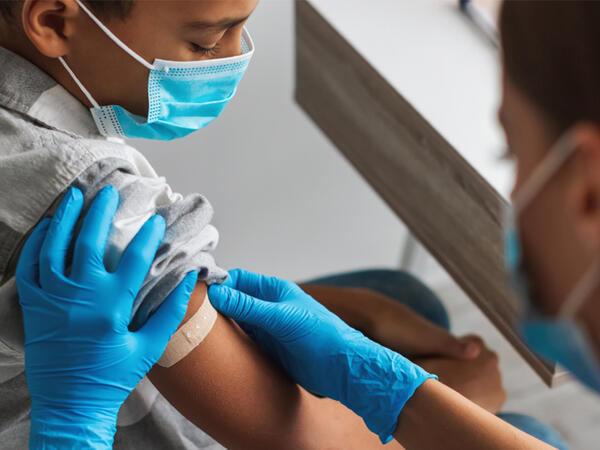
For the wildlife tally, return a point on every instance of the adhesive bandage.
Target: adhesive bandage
(189, 335)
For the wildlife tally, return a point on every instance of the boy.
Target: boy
(59, 58)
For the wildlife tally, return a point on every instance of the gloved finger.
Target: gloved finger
(242, 308)
(164, 322)
(28, 265)
(138, 257)
(260, 286)
(59, 236)
(91, 242)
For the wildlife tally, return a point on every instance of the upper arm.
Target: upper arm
(225, 385)
(235, 393)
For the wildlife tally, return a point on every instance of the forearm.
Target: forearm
(387, 321)
(436, 416)
(239, 396)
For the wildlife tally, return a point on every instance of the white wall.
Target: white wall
(286, 201)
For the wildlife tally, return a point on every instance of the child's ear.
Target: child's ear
(49, 24)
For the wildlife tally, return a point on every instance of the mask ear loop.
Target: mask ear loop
(114, 38)
(79, 83)
(582, 291)
(557, 156)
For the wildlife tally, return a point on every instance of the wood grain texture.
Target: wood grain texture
(444, 202)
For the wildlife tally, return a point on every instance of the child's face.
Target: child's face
(177, 30)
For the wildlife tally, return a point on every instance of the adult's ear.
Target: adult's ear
(49, 24)
(583, 195)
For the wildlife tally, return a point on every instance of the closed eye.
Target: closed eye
(212, 51)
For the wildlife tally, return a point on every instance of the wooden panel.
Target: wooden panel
(448, 206)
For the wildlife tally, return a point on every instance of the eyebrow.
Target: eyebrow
(217, 26)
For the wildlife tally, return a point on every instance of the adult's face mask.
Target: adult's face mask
(562, 339)
(182, 96)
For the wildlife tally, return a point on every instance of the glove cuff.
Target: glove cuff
(379, 383)
(58, 429)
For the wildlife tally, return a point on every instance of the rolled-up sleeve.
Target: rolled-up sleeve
(189, 240)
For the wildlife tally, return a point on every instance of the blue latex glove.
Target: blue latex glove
(318, 350)
(81, 360)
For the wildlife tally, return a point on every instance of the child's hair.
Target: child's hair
(551, 53)
(9, 9)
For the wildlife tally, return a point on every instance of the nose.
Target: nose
(232, 42)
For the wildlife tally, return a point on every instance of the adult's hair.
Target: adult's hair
(551, 53)
(10, 9)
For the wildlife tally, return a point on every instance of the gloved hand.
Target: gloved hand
(81, 361)
(318, 350)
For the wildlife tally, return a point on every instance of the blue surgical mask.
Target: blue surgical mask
(561, 339)
(182, 96)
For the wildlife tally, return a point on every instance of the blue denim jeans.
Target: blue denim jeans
(410, 291)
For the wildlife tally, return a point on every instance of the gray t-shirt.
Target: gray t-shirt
(48, 142)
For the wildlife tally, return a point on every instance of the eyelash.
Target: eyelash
(205, 51)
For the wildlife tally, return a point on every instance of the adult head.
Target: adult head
(551, 103)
